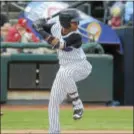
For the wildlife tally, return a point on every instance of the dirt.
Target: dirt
(66, 132)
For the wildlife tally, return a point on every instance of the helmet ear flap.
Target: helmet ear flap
(65, 20)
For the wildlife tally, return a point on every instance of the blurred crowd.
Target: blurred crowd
(19, 33)
(119, 13)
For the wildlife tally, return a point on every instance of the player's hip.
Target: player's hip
(76, 63)
(82, 71)
(71, 61)
(80, 68)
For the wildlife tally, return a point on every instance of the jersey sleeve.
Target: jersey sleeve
(74, 40)
(47, 27)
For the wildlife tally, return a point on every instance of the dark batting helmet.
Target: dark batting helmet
(67, 16)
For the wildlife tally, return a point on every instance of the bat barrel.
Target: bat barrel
(71, 6)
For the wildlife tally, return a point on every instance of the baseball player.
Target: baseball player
(66, 39)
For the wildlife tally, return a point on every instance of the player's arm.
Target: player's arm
(74, 40)
(42, 24)
(44, 30)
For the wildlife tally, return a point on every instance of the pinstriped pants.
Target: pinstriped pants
(65, 83)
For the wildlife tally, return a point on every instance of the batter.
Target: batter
(66, 39)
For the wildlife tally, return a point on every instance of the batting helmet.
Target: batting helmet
(67, 16)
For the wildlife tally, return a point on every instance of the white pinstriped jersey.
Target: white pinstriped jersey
(75, 55)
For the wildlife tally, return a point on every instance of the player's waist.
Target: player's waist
(71, 61)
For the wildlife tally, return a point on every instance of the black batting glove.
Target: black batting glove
(38, 25)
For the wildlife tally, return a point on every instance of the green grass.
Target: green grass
(111, 119)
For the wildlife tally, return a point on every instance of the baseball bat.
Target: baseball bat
(76, 4)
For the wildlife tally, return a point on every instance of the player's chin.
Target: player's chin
(75, 28)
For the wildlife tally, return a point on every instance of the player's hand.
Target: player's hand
(52, 40)
(55, 41)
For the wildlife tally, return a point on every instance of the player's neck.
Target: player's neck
(66, 31)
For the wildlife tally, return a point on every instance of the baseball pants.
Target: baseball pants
(65, 83)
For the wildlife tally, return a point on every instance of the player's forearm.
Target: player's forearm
(39, 27)
(54, 42)
(74, 40)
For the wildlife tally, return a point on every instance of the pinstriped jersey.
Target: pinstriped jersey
(67, 57)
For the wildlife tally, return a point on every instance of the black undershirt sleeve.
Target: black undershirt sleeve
(47, 27)
(74, 40)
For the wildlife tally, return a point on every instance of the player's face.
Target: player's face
(74, 25)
